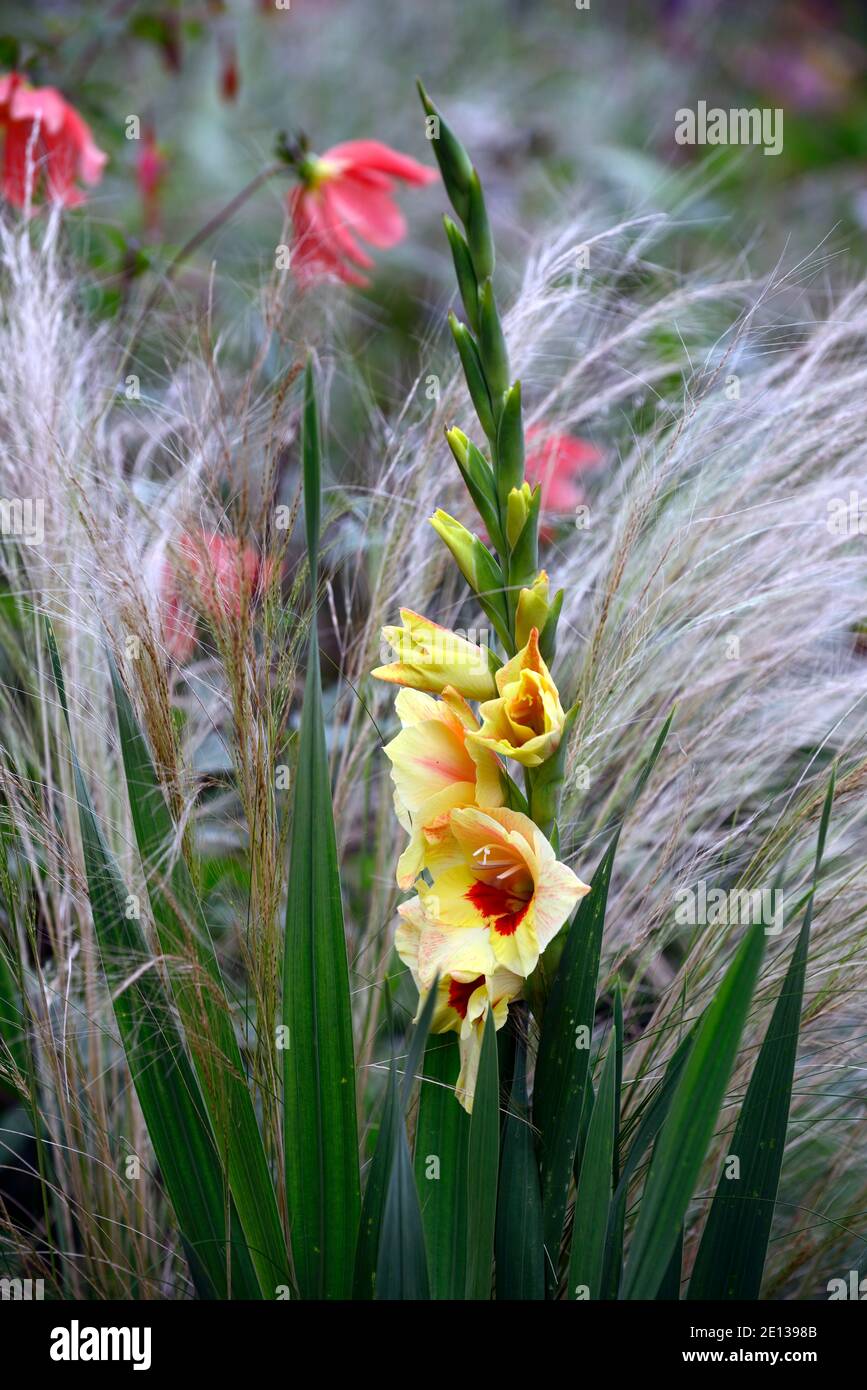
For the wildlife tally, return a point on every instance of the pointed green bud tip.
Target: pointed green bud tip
(461, 542)
(517, 511)
(459, 445)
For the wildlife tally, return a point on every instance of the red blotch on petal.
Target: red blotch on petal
(460, 994)
(503, 909)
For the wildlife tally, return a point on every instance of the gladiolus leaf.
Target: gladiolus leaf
(731, 1256)
(441, 1140)
(519, 1246)
(483, 1168)
(564, 1048)
(593, 1196)
(684, 1138)
(401, 1266)
(320, 1133)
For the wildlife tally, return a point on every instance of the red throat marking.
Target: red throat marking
(459, 994)
(503, 909)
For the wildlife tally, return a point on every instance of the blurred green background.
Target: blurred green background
(564, 109)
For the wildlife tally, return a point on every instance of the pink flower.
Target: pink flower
(218, 576)
(150, 171)
(346, 194)
(556, 461)
(44, 137)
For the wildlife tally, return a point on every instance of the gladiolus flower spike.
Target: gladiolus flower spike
(489, 894)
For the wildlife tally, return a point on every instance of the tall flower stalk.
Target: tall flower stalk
(478, 789)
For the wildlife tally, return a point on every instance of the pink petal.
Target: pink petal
(370, 211)
(373, 154)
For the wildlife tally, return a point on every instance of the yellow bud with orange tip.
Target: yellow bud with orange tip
(431, 657)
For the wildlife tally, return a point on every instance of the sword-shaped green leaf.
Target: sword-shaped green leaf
(320, 1130)
(683, 1141)
(593, 1195)
(731, 1256)
(519, 1246)
(441, 1140)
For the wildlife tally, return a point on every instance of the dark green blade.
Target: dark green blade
(669, 1289)
(401, 1267)
(684, 1138)
(164, 1080)
(186, 943)
(320, 1131)
(519, 1245)
(482, 1169)
(731, 1256)
(562, 1066)
(373, 1205)
(593, 1196)
(441, 1146)
(651, 1122)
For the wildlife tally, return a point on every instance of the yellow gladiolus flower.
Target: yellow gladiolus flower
(496, 878)
(431, 657)
(464, 995)
(435, 769)
(526, 721)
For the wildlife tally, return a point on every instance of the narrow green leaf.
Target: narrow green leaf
(441, 1149)
(320, 1131)
(205, 1013)
(669, 1289)
(519, 1243)
(564, 1047)
(593, 1196)
(564, 1055)
(373, 1205)
(164, 1080)
(482, 1169)
(683, 1141)
(401, 1267)
(731, 1256)
(655, 1111)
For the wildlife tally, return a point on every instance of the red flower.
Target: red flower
(44, 137)
(345, 194)
(555, 461)
(150, 171)
(217, 575)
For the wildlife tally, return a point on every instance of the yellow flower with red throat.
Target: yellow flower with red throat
(431, 657)
(499, 875)
(436, 769)
(464, 996)
(526, 720)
